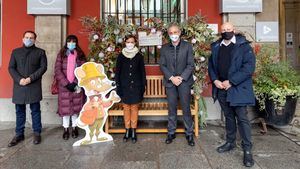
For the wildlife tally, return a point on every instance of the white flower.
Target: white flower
(195, 77)
(192, 92)
(202, 59)
(159, 46)
(120, 40)
(143, 50)
(153, 30)
(112, 75)
(197, 68)
(101, 55)
(110, 49)
(194, 41)
(116, 31)
(92, 60)
(96, 37)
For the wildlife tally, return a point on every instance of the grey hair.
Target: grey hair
(174, 24)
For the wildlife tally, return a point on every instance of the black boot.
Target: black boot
(248, 159)
(170, 138)
(226, 147)
(66, 134)
(190, 140)
(127, 135)
(74, 132)
(133, 136)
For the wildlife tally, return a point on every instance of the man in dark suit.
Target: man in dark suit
(231, 66)
(26, 67)
(177, 65)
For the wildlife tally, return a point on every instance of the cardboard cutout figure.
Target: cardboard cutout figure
(93, 115)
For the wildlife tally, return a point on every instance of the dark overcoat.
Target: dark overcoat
(69, 103)
(240, 72)
(27, 62)
(130, 78)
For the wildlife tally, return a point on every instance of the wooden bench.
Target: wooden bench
(155, 92)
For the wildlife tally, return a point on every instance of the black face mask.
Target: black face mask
(227, 35)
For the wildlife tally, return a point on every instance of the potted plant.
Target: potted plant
(276, 86)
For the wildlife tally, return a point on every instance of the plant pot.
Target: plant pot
(277, 117)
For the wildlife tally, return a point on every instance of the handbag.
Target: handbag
(54, 87)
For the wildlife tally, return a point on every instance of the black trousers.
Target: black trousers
(233, 114)
(183, 92)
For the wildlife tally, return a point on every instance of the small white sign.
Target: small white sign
(48, 7)
(152, 39)
(240, 6)
(267, 32)
(214, 27)
(289, 37)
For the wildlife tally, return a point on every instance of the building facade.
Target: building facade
(52, 29)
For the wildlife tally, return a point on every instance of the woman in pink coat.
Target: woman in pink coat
(70, 97)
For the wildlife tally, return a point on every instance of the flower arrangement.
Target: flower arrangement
(274, 80)
(106, 37)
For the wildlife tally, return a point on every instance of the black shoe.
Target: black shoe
(170, 138)
(37, 138)
(133, 136)
(74, 132)
(226, 147)
(248, 159)
(127, 135)
(16, 140)
(66, 134)
(190, 140)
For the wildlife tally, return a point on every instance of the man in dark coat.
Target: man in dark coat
(26, 67)
(230, 68)
(177, 65)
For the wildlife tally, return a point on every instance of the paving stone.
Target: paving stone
(183, 160)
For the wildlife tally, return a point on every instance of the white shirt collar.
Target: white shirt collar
(232, 40)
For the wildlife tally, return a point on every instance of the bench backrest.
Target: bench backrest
(155, 88)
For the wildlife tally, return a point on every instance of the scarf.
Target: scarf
(130, 53)
(71, 66)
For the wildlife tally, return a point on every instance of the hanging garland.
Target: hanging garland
(106, 38)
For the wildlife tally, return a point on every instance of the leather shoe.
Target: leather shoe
(248, 159)
(37, 138)
(170, 138)
(190, 140)
(16, 140)
(226, 147)
(74, 132)
(66, 134)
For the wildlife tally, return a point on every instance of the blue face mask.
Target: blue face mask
(71, 45)
(28, 42)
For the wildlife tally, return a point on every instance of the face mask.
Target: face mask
(174, 38)
(28, 42)
(71, 45)
(129, 46)
(227, 35)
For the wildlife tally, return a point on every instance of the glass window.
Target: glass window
(136, 11)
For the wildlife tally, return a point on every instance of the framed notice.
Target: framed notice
(152, 39)
(48, 7)
(240, 6)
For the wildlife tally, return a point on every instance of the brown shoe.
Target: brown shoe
(37, 138)
(16, 140)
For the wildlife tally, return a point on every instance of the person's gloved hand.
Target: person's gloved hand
(71, 86)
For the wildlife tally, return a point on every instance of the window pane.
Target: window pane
(136, 11)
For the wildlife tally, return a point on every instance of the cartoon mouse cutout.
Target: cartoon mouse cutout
(94, 112)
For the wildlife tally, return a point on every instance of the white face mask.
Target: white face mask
(174, 38)
(129, 46)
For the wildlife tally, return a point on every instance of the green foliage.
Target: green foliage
(106, 42)
(274, 79)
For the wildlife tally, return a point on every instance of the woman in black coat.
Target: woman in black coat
(131, 80)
